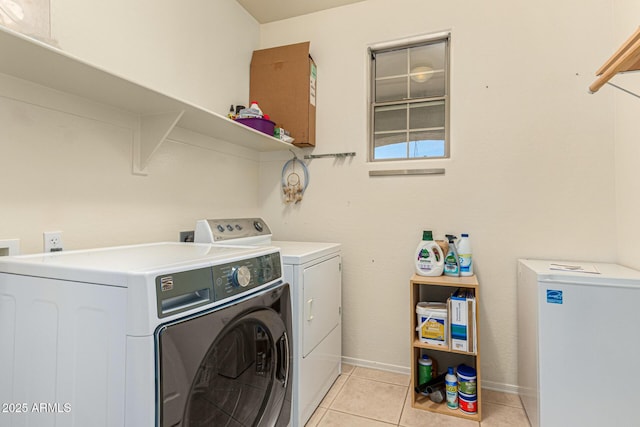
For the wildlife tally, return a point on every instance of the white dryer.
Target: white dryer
(314, 272)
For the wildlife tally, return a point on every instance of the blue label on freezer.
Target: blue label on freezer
(554, 297)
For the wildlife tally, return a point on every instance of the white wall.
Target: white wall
(531, 172)
(66, 162)
(627, 146)
(197, 50)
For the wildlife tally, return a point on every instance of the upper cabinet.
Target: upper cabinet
(34, 61)
(627, 58)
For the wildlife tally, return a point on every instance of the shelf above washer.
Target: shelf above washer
(37, 62)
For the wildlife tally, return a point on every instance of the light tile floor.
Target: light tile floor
(364, 397)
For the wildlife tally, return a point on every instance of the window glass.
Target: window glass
(409, 108)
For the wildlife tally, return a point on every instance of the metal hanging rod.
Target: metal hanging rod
(336, 155)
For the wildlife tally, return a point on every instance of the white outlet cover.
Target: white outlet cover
(52, 240)
(12, 246)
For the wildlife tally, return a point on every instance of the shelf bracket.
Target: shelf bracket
(153, 129)
(624, 90)
(626, 58)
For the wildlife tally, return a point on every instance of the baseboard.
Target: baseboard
(505, 388)
(490, 385)
(376, 365)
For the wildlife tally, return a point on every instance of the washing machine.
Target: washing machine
(314, 271)
(166, 334)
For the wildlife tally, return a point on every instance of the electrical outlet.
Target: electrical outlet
(52, 241)
(186, 236)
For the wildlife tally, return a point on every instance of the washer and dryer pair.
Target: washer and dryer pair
(168, 334)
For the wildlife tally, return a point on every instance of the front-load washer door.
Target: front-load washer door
(229, 367)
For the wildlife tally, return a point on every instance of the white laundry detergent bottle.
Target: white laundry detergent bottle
(429, 257)
(464, 253)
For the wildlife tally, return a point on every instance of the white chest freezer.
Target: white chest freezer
(578, 343)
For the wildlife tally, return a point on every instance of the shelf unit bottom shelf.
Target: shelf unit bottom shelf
(422, 402)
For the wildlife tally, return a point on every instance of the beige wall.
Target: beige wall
(627, 143)
(66, 162)
(531, 173)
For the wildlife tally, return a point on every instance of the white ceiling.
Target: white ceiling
(274, 10)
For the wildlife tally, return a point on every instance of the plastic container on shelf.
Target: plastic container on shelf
(464, 254)
(451, 384)
(468, 403)
(424, 370)
(467, 380)
(254, 106)
(452, 259)
(429, 258)
(432, 323)
(259, 124)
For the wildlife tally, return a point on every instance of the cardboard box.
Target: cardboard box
(462, 314)
(284, 81)
(459, 323)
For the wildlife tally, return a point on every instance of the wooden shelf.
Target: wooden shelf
(436, 287)
(427, 346)
(626, 58)
(423, 402)
(29, 59)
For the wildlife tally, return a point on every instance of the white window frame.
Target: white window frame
(407, 43)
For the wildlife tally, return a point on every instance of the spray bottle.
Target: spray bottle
(451, 261)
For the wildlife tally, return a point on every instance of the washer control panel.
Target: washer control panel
(184, 290)
(237, 277)
(220, 230)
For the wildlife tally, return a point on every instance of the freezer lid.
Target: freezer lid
(583, 272)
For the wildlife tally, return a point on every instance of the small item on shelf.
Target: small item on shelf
(257, 123)
(232, 114)
(424, 369)
(468, 403)
(467, 379)
(451, 384)
(429, 258)
(452, 260)
(239, 108)
(467, 389)
(464, 252)
(435, 389)
(254, 106)
(432, 323)
(282, 135)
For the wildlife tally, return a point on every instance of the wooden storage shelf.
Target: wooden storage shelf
(439, 288)
(31, 60)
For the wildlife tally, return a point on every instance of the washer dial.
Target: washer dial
(241, 276)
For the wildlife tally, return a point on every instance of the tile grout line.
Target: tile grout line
(404, 404)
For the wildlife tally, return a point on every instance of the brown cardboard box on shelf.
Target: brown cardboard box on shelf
(283, 82)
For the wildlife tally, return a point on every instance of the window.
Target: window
(409, 100)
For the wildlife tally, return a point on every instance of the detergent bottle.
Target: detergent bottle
(429, 257)
(465, 257)
(451, 261)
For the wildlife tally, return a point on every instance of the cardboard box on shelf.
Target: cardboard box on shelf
(283, 80)
(462, 314)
